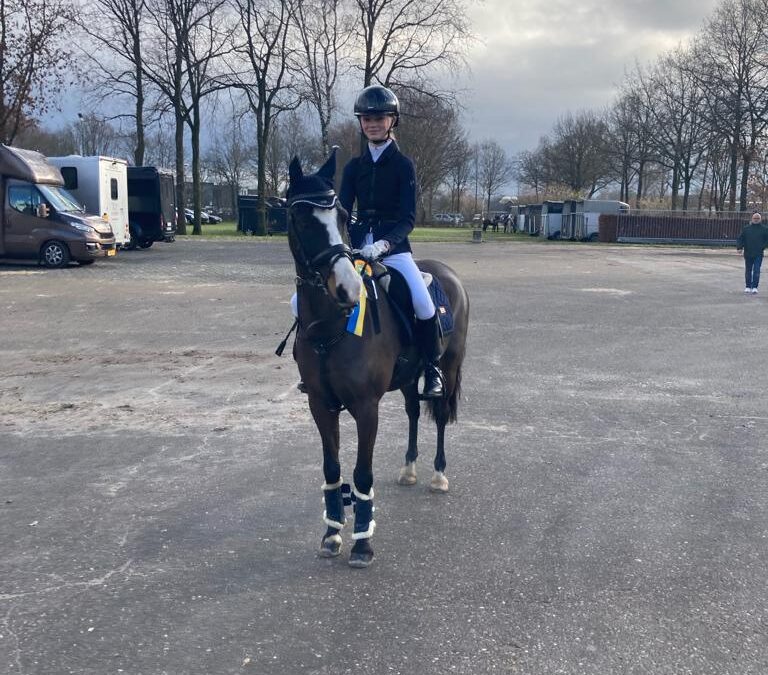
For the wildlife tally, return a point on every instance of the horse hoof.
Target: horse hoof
(407, 474)
(330, 547)
(439, 483)
(360, 560)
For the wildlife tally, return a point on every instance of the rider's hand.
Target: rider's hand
(376, 250)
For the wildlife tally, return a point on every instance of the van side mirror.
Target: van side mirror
(43, 211)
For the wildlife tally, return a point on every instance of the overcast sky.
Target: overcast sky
(540, 58)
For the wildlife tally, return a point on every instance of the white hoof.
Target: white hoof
(407, 474)
(439, 482)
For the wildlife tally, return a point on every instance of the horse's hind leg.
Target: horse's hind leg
(413, 409)
(440, 408)
(327, 422)
(439, 483)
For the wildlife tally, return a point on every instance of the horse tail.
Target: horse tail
(447, 409)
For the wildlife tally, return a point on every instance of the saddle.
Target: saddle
(394, 285)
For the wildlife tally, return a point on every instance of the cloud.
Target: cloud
(537, 60)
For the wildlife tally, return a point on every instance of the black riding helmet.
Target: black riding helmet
(377, 100)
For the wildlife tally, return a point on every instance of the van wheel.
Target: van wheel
(146, 243)
(54, 254)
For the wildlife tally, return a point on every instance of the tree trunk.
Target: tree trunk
(138, 153)
(181, 219)
(639, 196)
(745, 169)
(734, 175)
(196, 192)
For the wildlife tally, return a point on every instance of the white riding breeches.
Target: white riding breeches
(404, 263)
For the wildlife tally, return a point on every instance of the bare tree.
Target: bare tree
(495, 169)
(576, 155)
(207, 39)
(189, 35)
(405, 41)
(529, 169)
(428, 131)
(161, 150)
(642, 130)
(459, 171)
(261, 71)
(94, 135)
(164, 66)
(289, 137)
(230, 154)
(731, 67)
(623, 141)
(675, 101)
(35, 59)
(324, 30)
(117, 27)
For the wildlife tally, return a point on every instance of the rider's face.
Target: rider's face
(376, 127)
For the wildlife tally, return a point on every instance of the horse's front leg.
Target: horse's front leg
(413, 409)
(367, 419)
(327, 422)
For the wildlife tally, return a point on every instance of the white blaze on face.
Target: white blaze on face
(342, 270)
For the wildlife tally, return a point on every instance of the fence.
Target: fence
(673, 227)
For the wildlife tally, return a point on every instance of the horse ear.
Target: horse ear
(328, 170)
(294, 170)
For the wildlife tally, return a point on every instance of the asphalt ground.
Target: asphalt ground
(160, 501)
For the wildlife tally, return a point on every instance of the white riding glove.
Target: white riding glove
(375, 250)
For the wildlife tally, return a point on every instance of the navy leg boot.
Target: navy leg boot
(334, 518)
(362, 552)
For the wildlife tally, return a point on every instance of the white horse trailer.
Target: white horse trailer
(551, 220)
(587, 228)
(101, 186)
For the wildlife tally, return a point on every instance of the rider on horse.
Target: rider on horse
(383, 182)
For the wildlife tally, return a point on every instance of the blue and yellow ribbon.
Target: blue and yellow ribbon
(356, 321)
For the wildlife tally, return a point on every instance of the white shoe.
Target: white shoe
(754, 291)
(747, 290)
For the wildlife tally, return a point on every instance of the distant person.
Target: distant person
(753, 240)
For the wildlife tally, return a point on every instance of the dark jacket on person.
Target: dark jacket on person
(385, 192)
(753, 239)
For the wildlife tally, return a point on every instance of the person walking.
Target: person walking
(752, 241)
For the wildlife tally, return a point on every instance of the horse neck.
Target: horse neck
(317, 308)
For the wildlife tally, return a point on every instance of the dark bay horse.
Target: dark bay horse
(344, 370)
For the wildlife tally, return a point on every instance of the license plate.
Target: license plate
(111, 251)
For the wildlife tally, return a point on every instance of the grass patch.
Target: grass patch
(425, 234)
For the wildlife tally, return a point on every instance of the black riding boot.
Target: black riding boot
(428, 341)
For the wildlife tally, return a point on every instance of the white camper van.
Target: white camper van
(101, 186)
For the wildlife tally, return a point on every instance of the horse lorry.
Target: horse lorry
(100, 184)
(41, 220)
(151, 205)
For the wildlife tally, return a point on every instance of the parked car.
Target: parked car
(205, 217)
(448, 218)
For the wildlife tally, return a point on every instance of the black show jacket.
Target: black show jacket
(385, 192)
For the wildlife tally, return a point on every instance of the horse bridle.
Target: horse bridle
(328, 257)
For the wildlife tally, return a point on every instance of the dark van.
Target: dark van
(151, 205)
(40, 219)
